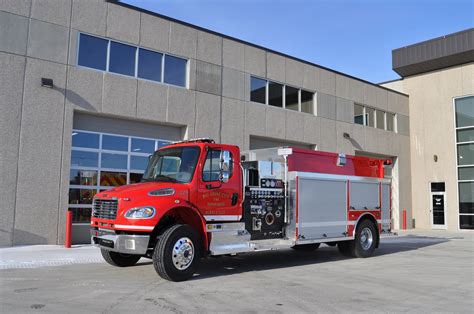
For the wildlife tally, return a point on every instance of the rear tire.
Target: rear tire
(177, 253)
(119, 259)
(366, 239)
(306, 247)
(365, 242)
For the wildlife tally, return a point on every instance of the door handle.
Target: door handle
(235, 197)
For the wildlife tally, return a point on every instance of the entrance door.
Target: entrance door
(438, 204)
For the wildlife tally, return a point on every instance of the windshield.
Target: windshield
(175, 164)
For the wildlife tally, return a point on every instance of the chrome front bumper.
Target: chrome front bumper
(121, 243)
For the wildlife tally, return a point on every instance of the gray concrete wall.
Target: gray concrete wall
(39, 38)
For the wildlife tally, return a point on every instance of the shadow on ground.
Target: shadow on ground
(229, 265)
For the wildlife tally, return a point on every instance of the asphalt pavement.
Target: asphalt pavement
(415, 272)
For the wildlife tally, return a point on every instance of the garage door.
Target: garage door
(103, 160)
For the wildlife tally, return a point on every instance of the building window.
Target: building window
(464, 116)
(380, 119)
(307, 102)
(370, 117)
(107, 55)
(291, 98)
(258, 90)
(102, 161)
(122, 59)
(374, 118)
(92, 52)
(149, 65)
(175, 71)
(390, 122)
(359, 114)
(279, 95)
(275, 94)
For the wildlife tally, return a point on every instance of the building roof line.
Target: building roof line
(132, 7)
(435, 39)
(391, 81)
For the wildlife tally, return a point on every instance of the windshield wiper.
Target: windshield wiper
(162, 176)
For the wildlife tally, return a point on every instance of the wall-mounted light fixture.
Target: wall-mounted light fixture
(47, 82)
(435, 158)
(347, 136)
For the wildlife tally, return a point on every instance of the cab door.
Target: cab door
(220, 190)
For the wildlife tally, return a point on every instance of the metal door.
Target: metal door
(438, 206)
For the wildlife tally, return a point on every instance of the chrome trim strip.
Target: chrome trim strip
(134, 227)
(222, 218)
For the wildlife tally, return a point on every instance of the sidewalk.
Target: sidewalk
(34, 256)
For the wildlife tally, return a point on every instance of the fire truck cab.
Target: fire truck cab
(198, 198)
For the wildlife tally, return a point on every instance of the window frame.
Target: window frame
(209, 151)
(456, 152)
(284, 86)
(137, 60)
(376, 113)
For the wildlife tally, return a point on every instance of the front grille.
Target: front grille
(104, 209)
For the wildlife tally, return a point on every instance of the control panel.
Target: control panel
(264, 212)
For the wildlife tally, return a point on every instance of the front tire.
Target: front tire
(119, 259)
(177, 253)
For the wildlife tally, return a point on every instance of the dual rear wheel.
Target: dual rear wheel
(364, 244)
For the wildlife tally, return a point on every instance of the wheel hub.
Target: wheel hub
(183, 253)
(366, 238)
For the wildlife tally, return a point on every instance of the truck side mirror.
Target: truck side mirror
(225, 166)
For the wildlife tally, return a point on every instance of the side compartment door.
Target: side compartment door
(218, 200)
(322, 208)
(386, 206)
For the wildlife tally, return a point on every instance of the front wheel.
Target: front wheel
(119, 259)
(177, 253)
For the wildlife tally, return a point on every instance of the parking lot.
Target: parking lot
(417, 272)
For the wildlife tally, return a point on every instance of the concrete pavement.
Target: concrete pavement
(416, 272)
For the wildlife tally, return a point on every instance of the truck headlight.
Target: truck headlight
(162, 192)
(145, 212)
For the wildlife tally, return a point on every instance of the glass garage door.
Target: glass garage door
(102, 161)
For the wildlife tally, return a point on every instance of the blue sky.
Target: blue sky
(355, 37)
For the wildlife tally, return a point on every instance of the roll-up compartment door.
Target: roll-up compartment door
(364, 196)
(322, 208)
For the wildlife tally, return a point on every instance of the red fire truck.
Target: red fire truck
(198, 198)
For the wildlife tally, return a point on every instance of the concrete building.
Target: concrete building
(89, 88)
(438, 74)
